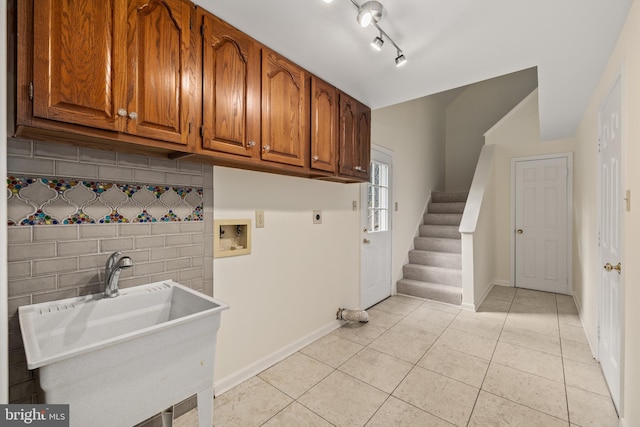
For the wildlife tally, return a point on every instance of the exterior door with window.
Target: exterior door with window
(376, 231)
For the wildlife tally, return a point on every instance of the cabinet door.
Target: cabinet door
(285, 111)
(363, 149)
(348, 135)
(324, 125)
(157, 69)
(79, 61)
(230, 89)
(354, 138)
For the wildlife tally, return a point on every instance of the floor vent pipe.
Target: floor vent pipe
(352, 315)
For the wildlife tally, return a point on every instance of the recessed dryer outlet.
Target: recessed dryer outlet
(317, 217)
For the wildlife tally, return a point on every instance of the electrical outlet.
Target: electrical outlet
(317, 217)
(259, 219)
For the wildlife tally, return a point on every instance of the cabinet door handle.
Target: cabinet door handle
(266, 148)
(366, 241)
(122, 112)
(251, 144)
(360, 169)
(133, 115)
(315, 158)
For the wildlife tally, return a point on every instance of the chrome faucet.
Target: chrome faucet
(114, 266)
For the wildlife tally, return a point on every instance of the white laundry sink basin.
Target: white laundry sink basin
(118, 361)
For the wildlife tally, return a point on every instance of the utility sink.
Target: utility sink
(118, 361)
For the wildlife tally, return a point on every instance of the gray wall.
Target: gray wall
(49, 262)
(472, 113)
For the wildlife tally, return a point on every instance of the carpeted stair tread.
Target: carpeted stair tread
(449, 207)
(432, 291)
(429, 273)
(438, 244)
(454, 196)
(444, 231)
(442, 219)
(435, 258)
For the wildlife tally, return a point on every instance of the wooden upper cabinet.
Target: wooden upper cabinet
(119, 65)
(79, 62)
(158, 41)
(324, 125)
(354, 138)
(230, 88)
(285, 111)
(364, 142)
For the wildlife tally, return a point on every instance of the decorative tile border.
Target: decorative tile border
(47, 201)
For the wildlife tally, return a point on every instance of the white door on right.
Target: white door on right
(610, 321)
(541, 222)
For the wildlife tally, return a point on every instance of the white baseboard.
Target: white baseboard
(591, 346)
(468, 307)
(225, 384)
(503, 283)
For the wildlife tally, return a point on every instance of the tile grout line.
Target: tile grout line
(564, 374)
(490, 360)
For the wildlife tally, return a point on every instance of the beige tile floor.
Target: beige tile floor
(521, 360)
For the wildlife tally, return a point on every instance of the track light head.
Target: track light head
(370, 12)
(400, 59)
(377, 43)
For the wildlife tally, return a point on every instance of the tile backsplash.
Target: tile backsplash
(71, 207)
(47, 201)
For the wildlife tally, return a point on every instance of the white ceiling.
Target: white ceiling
(448, 43)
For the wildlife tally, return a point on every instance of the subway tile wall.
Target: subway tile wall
(50, 262)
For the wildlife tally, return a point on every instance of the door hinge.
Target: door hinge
(202, 30)
(598, 332)
(201, 131)
(190, 23)
(189, 128)
(31, 90)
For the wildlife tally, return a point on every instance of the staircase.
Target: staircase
(435, 265)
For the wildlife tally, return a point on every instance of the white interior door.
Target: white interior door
(541, 224)
(611, 203)
(375, 237)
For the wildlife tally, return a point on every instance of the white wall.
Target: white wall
(4, 357)
(472, 113)
(297, 275)
(414, 131)
(516, 135)
(625, 59)
(478, 233)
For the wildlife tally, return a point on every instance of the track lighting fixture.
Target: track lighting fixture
(370, 14)
(377, 43)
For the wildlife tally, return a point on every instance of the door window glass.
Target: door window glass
(378, 198)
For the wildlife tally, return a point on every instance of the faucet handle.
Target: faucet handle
(113, 258)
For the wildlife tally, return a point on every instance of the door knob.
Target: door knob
(366, 241)
(610, 267)
(519, 231)
(133, 115)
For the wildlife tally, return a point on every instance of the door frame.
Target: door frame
(363, 223)
(569, 158)
(597, 268)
